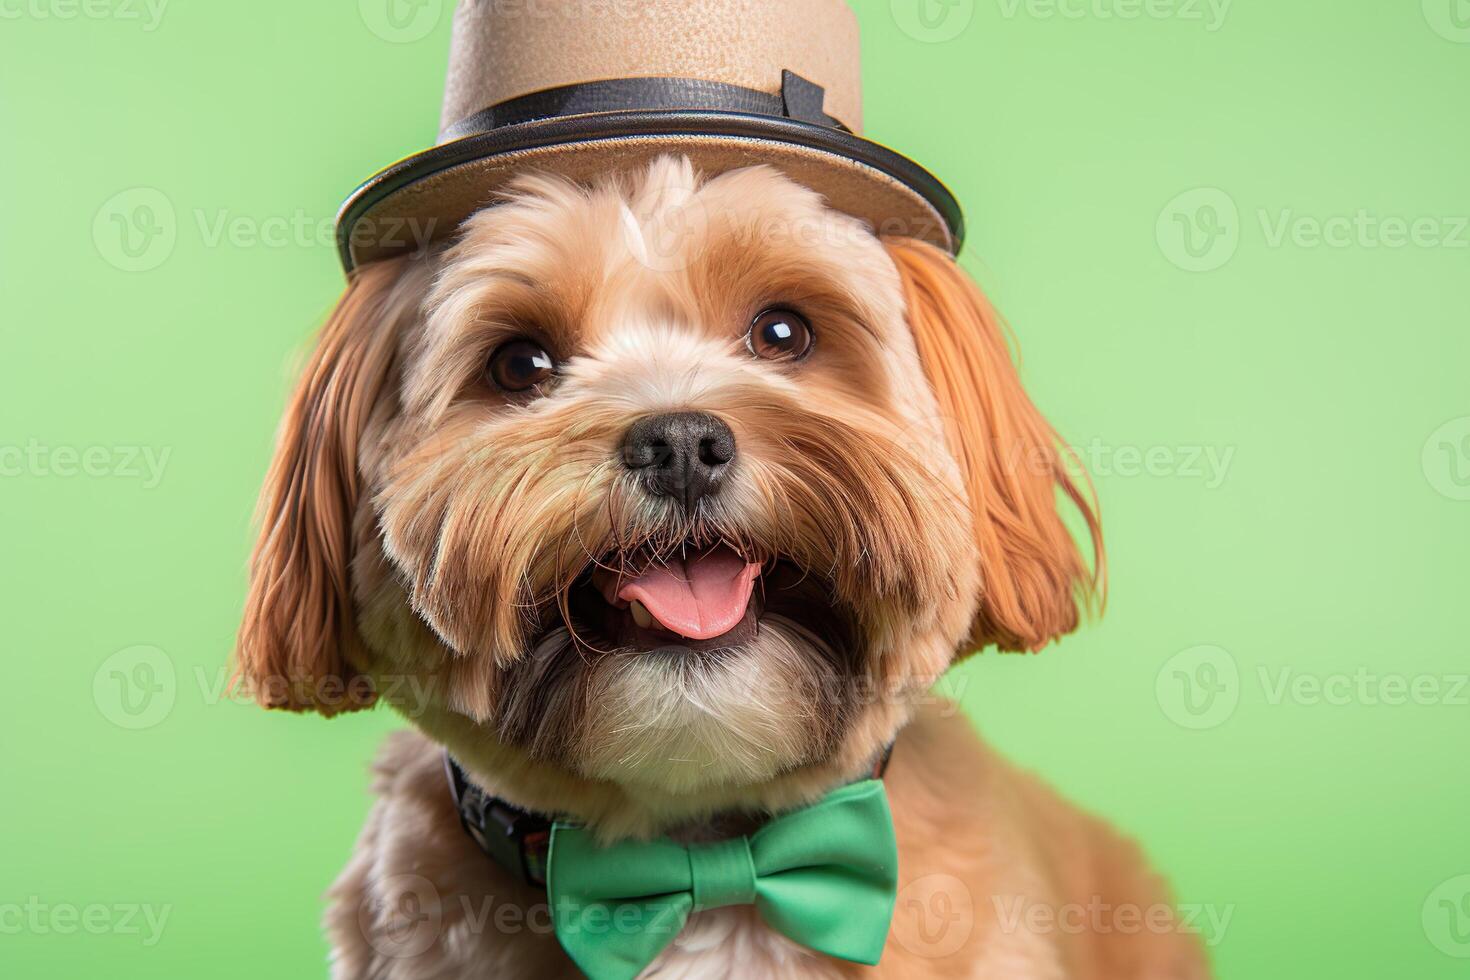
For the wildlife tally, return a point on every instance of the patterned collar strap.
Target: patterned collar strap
(518, 839)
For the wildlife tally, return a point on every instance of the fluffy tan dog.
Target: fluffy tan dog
(662, 504)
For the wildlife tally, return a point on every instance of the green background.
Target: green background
(1328, 380)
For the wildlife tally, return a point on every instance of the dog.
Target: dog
(661, 502)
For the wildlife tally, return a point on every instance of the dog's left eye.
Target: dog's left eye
(780, 335)
(520, 365)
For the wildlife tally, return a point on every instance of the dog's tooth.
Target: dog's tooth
(641, 615)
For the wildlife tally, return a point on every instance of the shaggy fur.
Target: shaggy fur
(430, 540)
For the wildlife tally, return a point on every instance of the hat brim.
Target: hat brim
(428, 195)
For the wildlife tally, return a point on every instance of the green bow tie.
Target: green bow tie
(824, 876)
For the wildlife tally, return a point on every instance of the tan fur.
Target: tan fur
(426, 536)
(1013, 461)
(977, 840)
(298, 642)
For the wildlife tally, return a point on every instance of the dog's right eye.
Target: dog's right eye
(779, 335)
(520, 365)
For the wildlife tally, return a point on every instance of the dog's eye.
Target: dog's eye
(778, 335)
(520, 365)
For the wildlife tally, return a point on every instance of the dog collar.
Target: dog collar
(514, 838)
(517, 839)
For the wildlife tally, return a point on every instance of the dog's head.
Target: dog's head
(681, 486)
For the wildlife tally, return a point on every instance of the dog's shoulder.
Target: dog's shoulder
(1001, 877)
(419, 900)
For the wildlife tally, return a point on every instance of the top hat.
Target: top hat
(583, 87)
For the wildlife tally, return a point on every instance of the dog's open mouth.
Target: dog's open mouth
(699, 630)
(698, 599)
(704, 598)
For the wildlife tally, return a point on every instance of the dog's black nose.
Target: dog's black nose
(683, 455)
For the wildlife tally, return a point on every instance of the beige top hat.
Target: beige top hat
(582, 87)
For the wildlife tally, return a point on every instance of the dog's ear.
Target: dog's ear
(1032, 575)
(298, 642)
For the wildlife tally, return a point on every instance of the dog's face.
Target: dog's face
(672, 484)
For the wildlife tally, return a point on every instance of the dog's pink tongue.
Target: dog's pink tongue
(699, 597)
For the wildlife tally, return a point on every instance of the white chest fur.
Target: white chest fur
(734, 942)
